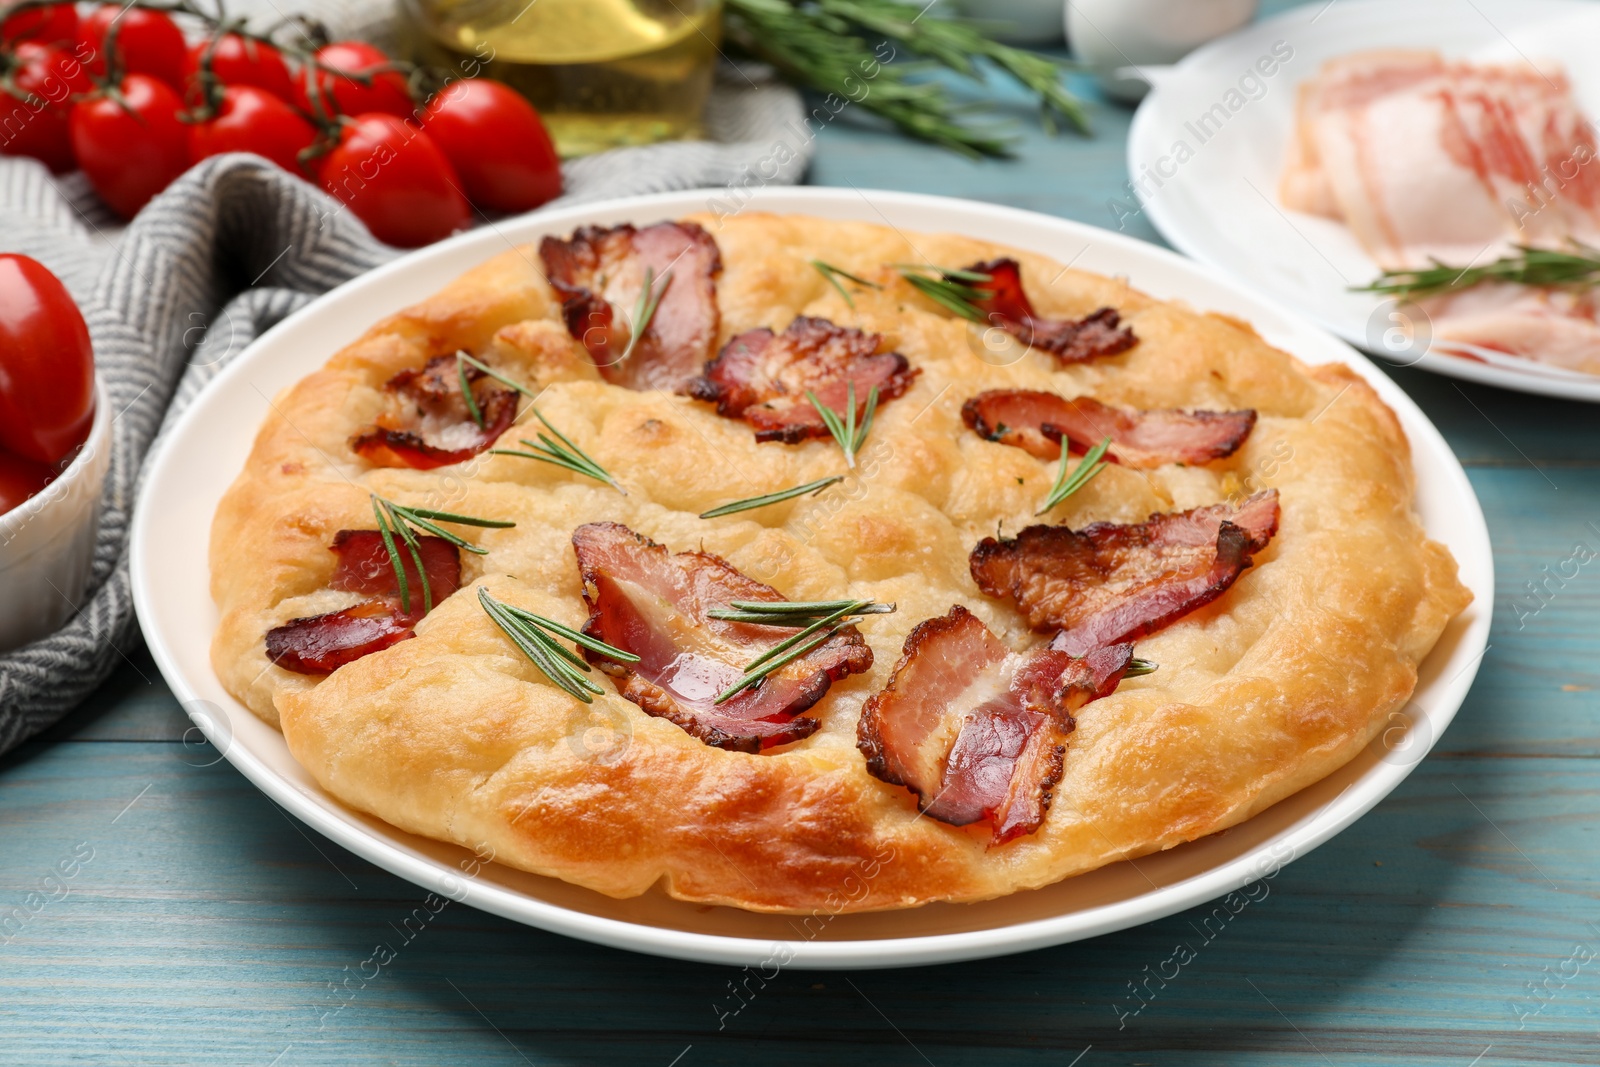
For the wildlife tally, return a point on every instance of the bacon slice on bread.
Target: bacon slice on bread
(762, 377)
(320, 644)
(976, 730)
(1109, 583)
(1037, 422)
(600, 273)
(429, 424)
(1006, 304)
(653, 603)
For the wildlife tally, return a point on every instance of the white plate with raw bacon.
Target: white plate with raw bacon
(1421, 178)
(1045, 698)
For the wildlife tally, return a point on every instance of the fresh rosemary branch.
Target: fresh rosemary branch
(398, 521)
(811, 616)
(824, 44)
(466, 391)
(771, 498)
(562, 452)
(1530, 266)
(954, 290)
(832, 274)
(1138, 668)
(557, 662)
(644, 309)
(845, 431)
(1091, 465)
(794, 612)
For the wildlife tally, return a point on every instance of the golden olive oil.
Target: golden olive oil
(602, 73)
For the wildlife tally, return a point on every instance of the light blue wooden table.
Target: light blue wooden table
(1458, 923)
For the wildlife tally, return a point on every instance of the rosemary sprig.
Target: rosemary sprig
(832, 274)
(398, 526)
(557, 662)
(1091, 465)
(466, 391)
(1530, 266)
(845, 431)
(844, 47)
(562, 452)
(810, 616)
(793, 612)
(461, 354)
(772, 498)
(1138, 668)
(952, 289)
(644, 309)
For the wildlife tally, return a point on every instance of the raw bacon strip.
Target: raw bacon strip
(429, 425)
(1036, 422)
(599, 274)
(978, 731)
(1100, 333)
(1110, 582)
(320, 644)
(653, 603)
(762, 377)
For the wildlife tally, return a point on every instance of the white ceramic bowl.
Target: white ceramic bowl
(47, 544)
(203, 451)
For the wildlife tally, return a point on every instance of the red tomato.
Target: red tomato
(46, 364)
(21, 478)
(56, 24)
(147, 42)
(346, 96)
(396, 181)
(496, 142)
(253, 120)
(242, 61)
(38, 127)
(132, 148)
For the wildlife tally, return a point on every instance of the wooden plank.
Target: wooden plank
(205, 927)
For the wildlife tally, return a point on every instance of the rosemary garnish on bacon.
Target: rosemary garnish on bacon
(1138, 668)
(398, 525)
(466, 391)
(830, 616)
(644, 309)
(1091, 465)
(953, 289)
(562, 452)
(845, 431)
(832, 274)
(1530, 266)
(557, 662)
(772, 498)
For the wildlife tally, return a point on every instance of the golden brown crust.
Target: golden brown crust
(454, 735)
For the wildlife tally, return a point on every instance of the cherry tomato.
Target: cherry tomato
(131, 148)
(20, 479)
(346, 96)
(242, 61)
(56, 24)
(147, 42)
(396, 181)
(496, 142)
(46, 364)
(38, 127)
(253, 120)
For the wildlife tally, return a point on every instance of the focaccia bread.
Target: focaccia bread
(1324, 593)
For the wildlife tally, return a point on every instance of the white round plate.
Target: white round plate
(1211, 188)
(207, 447)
